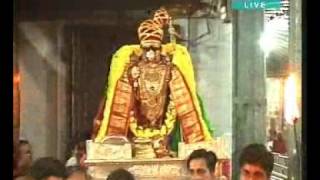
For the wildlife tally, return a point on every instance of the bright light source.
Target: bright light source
(223, 9)
(223, 16)
(270, 37)
(290, 104)
(267, 43)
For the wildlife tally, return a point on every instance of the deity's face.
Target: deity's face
(150, 54)
(151, 51)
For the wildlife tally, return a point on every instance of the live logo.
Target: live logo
(254, 5)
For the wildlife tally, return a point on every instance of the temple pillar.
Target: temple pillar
(249, 86)
(294, 133)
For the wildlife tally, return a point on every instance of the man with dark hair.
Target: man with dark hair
(24, 158)
(120, 174)
(48, 168)
(201, 164)
(256, 162)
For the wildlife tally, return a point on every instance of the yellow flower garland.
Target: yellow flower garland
(165, 129)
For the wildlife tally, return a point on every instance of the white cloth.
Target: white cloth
(72, 162)
(269, 145)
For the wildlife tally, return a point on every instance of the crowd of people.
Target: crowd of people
(255, 162)
(49, 168)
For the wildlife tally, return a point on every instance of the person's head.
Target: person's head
(75, 173)
(48, 168)
(25, 149)
(120, 174)
(279, 136)
(201, 164)
(80, 150)
(272, 134)
(24, 156)
(256, 162)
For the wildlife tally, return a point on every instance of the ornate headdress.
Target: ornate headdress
(162, 17)
(150, 31)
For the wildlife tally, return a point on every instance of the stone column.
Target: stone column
(211, 51)
(38, 62)
(62, 94)
(295, 61)
(249, 88)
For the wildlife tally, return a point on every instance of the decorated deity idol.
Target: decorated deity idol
(151, 92)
